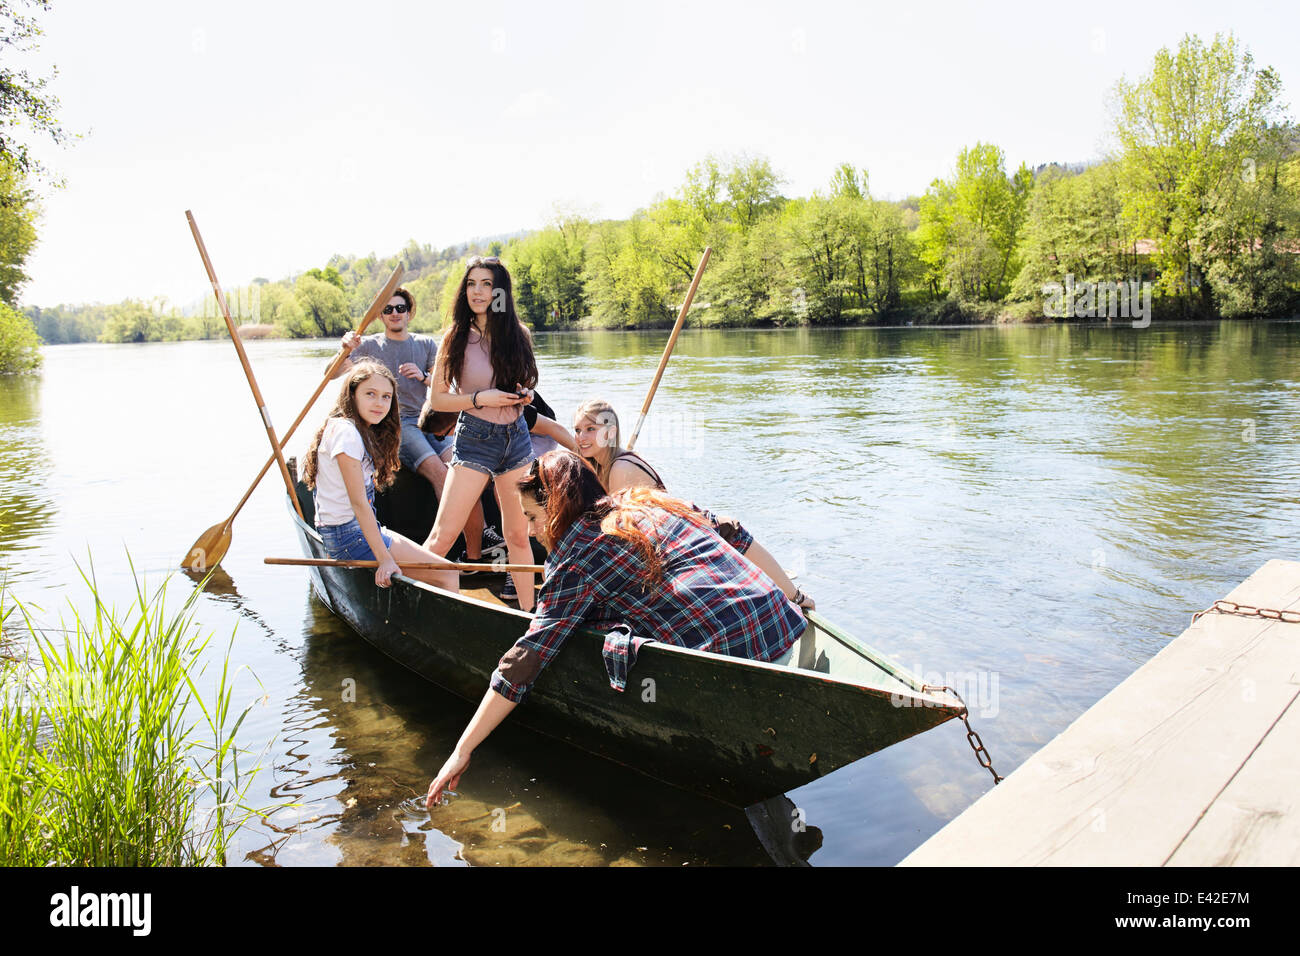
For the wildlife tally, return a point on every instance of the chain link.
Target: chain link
(1248, 610)
(972, 738)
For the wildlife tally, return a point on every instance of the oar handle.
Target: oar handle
(376, 306)
(668, 350)
(418, 565)
(276, 454)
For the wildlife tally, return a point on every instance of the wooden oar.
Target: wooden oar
(423, 565)
(243, 360)
(668, 350)
(213, 544)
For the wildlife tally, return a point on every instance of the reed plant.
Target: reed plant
(109, 753)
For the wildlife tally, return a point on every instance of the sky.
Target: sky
(296, 130)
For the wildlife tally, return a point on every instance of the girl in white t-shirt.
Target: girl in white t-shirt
(354, 452)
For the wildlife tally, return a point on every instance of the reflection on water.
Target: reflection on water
(526, 800)
(26, 506)
(1026, 513)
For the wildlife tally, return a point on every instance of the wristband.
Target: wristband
(474, 400)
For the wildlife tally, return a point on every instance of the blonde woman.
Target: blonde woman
(596, 433)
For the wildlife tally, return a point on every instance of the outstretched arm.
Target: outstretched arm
(491, 711)
(553, 429)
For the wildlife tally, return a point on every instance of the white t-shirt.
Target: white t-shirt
(333, 506)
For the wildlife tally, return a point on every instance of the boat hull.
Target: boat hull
(736, 730)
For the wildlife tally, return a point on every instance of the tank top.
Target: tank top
(644, 465)
(476, 375)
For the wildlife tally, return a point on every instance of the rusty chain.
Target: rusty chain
(1248, 610)
(973, 738)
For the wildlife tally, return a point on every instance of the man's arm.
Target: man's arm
(350, 341)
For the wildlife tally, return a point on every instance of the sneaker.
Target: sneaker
(508, 592)
(494, 546)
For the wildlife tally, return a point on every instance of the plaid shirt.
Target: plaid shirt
(710, 598)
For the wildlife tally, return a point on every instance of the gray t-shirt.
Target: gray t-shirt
(419, 349)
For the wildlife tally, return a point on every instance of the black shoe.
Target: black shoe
(494, 546)
(508, 592)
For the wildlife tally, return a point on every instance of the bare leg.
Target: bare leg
(474, 533)
(435, 472)
(463, 487)
(772, 568)
(405, 551)
(437, 476)
(514, 528)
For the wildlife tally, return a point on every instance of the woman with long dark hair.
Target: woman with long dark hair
(485, 371)
(637, 557)
(354, 452)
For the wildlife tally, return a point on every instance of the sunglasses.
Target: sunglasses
(483, 261)
(390, 309)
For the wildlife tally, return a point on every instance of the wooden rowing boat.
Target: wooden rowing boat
(736, 730)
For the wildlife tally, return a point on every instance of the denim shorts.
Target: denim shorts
(491, 449)
(418, 445)
(345, 542)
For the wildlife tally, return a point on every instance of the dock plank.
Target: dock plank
(1256, 820)
(1131, 779)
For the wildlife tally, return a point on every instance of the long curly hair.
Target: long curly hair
(568, 490)
(381, 441)
(511, 344)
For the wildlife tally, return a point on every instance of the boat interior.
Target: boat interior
(409, 508)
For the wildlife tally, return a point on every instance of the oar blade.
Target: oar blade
(211, 547)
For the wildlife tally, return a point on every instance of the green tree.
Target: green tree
(970, 225)
(1076, 224)
(20, 347)
(324, 308)
(23, 99)
(753, 191)
(17, 230)
(1252, 234)
(1187, 130)
(329, 274)
(627, 281)
(548, 268)
(129, 321)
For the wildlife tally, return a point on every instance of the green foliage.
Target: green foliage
(970, 225)
(20, 347)
(104, 759)
(1189, 129)
(18, 212)
(130, 321)
(23, 100)
(59, 325)
(323, 309)
(329, 274)
(548, 267)
(626, 287)
(1203, 195)
(1076, 225)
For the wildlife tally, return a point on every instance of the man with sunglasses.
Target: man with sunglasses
(410, 357)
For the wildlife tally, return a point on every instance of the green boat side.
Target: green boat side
(733, 729)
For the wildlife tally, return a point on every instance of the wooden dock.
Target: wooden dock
(1194, 760)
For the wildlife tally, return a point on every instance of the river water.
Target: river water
(1026, 513)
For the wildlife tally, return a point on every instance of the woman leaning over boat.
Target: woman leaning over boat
(595, 430)
(638, 558)
(485, 370)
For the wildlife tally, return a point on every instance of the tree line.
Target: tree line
(1200, 199)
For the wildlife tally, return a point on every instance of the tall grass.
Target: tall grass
(109, 753)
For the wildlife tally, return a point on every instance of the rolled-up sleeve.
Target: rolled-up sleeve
(562, 606)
